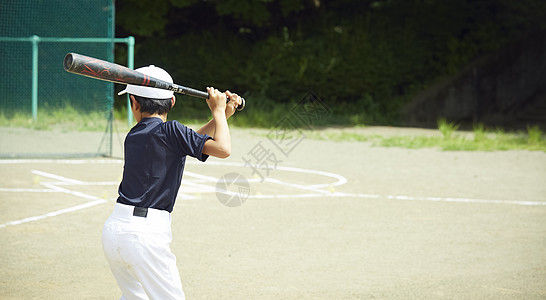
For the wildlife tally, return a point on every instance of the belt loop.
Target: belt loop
(140, 212)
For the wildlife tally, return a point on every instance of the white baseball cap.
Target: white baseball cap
(150, 92)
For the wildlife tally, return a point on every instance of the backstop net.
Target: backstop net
(45, 111)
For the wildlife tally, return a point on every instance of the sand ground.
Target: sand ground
(329, 221)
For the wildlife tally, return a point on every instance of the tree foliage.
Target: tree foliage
(362, 57)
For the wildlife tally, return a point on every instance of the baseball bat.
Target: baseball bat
(104, 70)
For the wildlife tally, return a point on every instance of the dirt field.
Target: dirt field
(328, 221)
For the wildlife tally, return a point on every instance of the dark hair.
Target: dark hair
(152, 106)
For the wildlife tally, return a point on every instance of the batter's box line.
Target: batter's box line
(56, 177)
(55, 213)
(467, 200)
(23, 190)
(93, 200)
(211, 189)
(438, 199)
(339, 179)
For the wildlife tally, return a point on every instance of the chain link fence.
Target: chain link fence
(46, 111)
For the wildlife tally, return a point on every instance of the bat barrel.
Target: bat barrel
(103, 70)
(74, 63)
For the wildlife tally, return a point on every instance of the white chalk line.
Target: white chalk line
(199, 179)
(55, 213)
(70, 192)
(21, 190)
(61, 161)
(56, 177)
(52, 187)
(341, 180)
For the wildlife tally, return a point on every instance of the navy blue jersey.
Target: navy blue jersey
(155, 155)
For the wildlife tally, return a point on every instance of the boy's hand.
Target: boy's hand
(216, 100)
(234, 101)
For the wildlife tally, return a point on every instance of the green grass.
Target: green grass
(340, 136)
(449, 139)
(63, 119)
(447, 128)
(480, 140)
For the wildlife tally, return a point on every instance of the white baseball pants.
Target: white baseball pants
(138, 252)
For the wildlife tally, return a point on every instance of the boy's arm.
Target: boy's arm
(220, 144)
(208, 129)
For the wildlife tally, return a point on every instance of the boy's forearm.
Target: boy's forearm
(208, 129)
(220, 144)
(221, 134)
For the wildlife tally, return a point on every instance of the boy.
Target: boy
(136, 237)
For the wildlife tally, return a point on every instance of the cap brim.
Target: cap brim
(122, 92)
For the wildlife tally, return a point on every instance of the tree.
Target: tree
(364, 57)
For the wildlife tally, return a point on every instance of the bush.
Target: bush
(363, 58)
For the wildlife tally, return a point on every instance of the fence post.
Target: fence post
(35, 41)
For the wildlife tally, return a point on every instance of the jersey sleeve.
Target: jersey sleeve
(186, 141)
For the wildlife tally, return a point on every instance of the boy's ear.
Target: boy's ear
(134, 103)
(173, 101)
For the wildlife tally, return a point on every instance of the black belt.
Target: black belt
(140, 212)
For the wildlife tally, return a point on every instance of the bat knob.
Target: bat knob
(242, 105)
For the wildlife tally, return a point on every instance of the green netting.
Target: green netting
(65, 102)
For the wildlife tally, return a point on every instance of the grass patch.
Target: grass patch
(340, 136)
(449, 139)
(266, 116)
(63, 119)
(447, 128)
(410, 142)
(479, 140)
